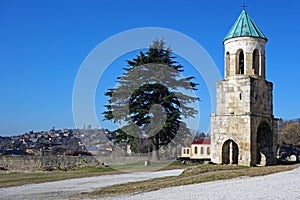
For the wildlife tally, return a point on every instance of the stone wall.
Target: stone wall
(244, 115)
(231, 127)
(244, 94)
(37, 163)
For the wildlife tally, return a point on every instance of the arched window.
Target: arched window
(208, 150)
(196, 150)
(201, 150)
(241, 62)
(227, 63)
(255, 61)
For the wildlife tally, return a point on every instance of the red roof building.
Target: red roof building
(203, 141)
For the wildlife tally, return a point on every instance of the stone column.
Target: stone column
(230, 153)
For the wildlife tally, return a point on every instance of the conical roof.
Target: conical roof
(244, 27)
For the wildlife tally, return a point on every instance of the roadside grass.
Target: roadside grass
(16, 178)
(11, 178)
(154, 166)
(192, 175)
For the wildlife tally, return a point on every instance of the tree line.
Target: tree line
(289, 132)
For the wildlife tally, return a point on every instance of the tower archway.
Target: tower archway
(240, 62)
(230, 152)
(264, 151)
(255, 61)
(227, 64)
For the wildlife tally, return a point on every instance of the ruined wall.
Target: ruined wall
(37, 163)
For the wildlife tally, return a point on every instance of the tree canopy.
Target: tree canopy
(150, 100)
(290, 133)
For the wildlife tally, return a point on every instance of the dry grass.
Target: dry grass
(155, 166)
(199, 174)
(9, 178)
(191, 175)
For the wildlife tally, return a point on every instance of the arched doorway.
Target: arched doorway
(230, 152)
(264, 151)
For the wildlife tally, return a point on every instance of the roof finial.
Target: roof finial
(244, 6)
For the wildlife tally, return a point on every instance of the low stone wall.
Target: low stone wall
(37, 163)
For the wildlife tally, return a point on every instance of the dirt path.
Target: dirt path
(70, 189)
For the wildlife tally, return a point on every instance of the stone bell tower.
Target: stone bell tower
(243, 129)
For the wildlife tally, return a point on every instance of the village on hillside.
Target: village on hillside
(66, 142)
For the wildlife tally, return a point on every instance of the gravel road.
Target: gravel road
(284, 185)
(280, 186)
(74, 187)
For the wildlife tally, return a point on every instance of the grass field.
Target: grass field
(9, 178)
(192, 175)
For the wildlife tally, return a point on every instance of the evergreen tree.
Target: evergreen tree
(155, 78)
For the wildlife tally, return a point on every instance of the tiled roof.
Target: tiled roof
(204, 141)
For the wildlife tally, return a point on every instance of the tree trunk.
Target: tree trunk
(155, 153)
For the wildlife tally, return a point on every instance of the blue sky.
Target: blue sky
(43, 44)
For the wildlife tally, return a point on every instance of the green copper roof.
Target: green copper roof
(244, 27)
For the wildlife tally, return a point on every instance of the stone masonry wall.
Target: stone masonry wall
(231, 127)
(38, 163)
(243, 103)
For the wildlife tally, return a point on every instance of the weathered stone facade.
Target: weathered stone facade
(244, 130)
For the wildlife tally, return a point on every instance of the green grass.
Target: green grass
(192, 175)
